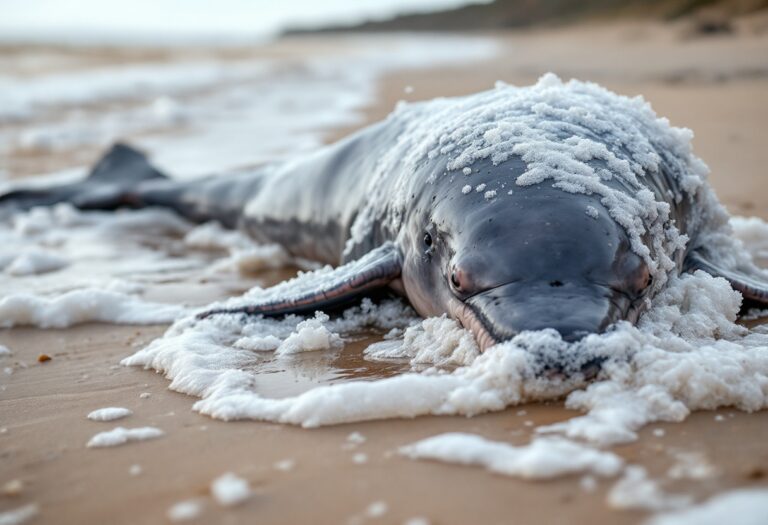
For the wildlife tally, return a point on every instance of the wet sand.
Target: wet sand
(714, 86)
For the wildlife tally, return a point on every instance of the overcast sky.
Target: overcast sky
(178, 19)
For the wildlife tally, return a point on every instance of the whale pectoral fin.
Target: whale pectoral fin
(343, 285)
(753, 288)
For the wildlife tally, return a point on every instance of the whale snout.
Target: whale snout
(573, 310)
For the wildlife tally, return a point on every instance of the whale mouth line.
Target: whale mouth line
(476, 323)
(487, 334)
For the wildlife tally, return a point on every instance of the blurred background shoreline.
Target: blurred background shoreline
(235, 23)
(175, 23)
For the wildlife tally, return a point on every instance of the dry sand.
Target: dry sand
(718, 87)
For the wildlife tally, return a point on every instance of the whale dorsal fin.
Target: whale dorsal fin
(343, 285)
(122, 163)
(754, 288)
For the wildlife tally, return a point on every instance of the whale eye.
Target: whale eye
(643, 282)
(427, 240)
(649, 281)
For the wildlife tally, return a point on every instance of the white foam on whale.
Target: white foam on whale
(575, 136)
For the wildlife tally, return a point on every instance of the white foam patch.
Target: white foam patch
(543, 458)
(691, 465)
(686, 354)
(736, 507)
(244, 256)
(93, 248)
(356, 438)
(753, 233)
(82, 306)
(377, 509)
(121, 436)
(432, 342)
(284, 465)
(310, 335)
(185, 510)
(32, 262)
(109, 414)
(19, 515)
(202, 355)
(635, 490)
(229, 490)
(214, 237)
(755, 313)
(89, 249)
(417, 520)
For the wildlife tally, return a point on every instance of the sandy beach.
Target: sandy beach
(715, 85)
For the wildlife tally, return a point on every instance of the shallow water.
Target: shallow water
(282, 377)
(196, 111)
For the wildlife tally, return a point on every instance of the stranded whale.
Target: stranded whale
(559, 205)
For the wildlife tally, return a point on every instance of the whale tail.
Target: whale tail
(124, 178)
(107, 186)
